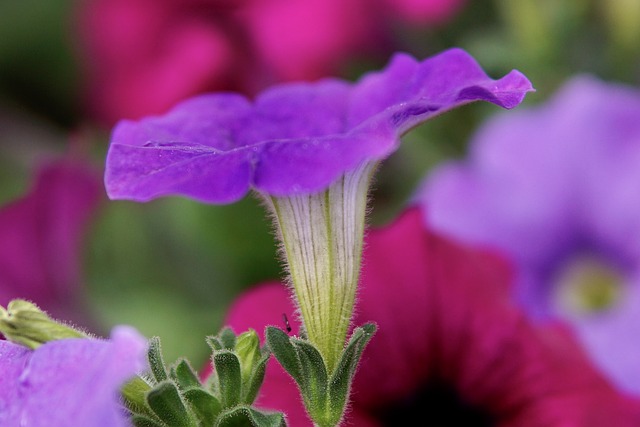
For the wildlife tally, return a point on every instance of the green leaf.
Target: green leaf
(315, 376)
(227, 367)
(281, 347)
(342, 377)
(165, 401)
(184, 375)
(156, 362)
(205, 405)
(243, 416)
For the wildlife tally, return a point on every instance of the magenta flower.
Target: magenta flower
(143, 56)
(41, 237)
(451, 346)
(73, 381)
(556, 189)
(423, 12)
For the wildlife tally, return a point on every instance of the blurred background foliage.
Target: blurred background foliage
(172, 266)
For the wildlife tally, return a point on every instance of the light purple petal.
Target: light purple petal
(69, 382)
(512, 189)
(295, 138)
(539, 180)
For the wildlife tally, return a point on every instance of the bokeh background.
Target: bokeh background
(70, 69)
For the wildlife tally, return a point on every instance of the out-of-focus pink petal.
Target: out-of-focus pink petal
(42, 235)
(416, 12)
(320, 35)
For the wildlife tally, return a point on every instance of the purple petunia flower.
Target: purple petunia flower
(557, 188)
(72, 381)
(294, 138)
(309, 150)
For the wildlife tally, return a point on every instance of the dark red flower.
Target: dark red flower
(451, 345)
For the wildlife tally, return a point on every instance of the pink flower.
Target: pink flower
(449, 337)
(143, 56)
(421, 12)
(41, 235)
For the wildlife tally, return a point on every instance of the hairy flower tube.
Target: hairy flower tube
(556, 189)
(452, 347)
(309, 151)
(72, 381)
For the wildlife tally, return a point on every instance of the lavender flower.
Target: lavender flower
(309, 150)
(556, 188)
(73, 381)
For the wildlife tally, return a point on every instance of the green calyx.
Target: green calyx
(174, 396)
(24, 323)
(325, 393)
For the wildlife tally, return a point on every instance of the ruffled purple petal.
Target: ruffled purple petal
(203, 173)
(408, 93)
(69, 382)
(295, 138)
(211, 120)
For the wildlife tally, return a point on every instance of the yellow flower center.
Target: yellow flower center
(587, 285)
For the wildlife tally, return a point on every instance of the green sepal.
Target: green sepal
(248, 350)
(143, 421)
(341, 378)
(284, 351)
(225, 340)
(243, 416)
(227, 368)
(205, 405)
(184, 375)
(252, 387)
(182, 400)
(165, 401)
(315, 379)
(156, 361)
(325, 396)
(134, 394)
